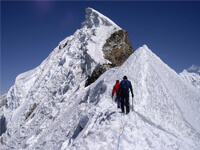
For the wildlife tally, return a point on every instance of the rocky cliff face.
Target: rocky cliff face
(116, 49)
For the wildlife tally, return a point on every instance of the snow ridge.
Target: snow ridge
(158, 110)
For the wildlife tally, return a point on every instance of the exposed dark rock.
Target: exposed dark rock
(97, 72)
(61, 46)
(31, 110)
(2, 125)
(116, 49)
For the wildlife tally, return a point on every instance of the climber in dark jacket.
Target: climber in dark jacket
(124, 87)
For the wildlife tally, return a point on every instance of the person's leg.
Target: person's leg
(127, 105)
(118, 103)
(122, 103)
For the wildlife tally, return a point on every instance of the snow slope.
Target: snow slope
(193, 78)
(53, 110)
(65, 68)
(166, 110)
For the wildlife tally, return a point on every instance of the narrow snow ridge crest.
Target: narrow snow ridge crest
(145, 47)
(96, 19)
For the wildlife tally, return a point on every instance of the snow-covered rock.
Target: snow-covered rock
(54, 109)
(193, 78)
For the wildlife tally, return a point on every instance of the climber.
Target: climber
(115, 90)
(124, 87)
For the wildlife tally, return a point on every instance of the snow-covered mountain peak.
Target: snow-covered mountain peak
(145, 47)
(63, 72)
(96, 19)
(143, 52)
(96, 29)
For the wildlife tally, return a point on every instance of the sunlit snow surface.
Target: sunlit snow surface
(53, 110)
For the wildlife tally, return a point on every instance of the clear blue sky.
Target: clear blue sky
(31, 30)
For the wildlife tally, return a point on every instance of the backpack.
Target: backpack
(125, 87)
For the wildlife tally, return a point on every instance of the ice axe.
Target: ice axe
(132, 102)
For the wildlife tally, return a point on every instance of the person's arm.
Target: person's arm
(113, 92)
(131, 90)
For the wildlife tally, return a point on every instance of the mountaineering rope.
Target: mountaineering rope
(120, 135)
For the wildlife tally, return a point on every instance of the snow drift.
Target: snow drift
(54, 110)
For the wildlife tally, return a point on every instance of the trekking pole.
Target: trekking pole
(112, 99)
(132, 103)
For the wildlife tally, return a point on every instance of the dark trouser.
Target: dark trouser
(118, 102)
(126, 98)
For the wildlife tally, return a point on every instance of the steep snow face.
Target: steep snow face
(193, 78)
(165, 116)
(63, 71)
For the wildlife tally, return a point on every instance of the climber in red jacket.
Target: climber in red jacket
(115, 90)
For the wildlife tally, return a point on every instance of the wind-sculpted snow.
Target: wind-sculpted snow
(193, 78)
(54, 110)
